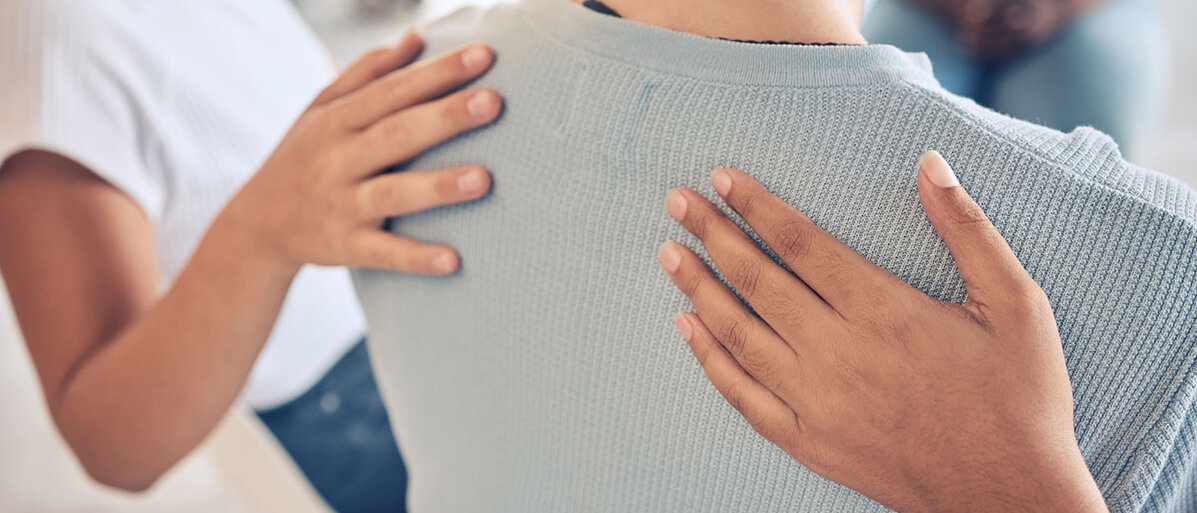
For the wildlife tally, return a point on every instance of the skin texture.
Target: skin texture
(134, 380)
(998, 30)
(920, 405)
(823, 21)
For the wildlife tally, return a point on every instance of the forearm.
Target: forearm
(147, 397)
(135, 380)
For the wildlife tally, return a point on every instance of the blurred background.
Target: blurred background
(240, 469)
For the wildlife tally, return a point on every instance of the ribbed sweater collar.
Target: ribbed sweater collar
(723, 61)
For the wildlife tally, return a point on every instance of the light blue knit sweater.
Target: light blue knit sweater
(547, 375)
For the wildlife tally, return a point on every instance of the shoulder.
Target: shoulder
(471, 23)
(66, 69)
(60, 45)
(30, 25)
(1084, 155)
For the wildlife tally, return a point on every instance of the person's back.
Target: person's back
(547, 375)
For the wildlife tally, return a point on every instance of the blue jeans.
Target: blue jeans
(1107, 70)
(339, 435)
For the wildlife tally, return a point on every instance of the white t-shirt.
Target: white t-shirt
(177, 103)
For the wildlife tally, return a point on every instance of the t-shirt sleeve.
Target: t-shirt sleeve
(67, 80)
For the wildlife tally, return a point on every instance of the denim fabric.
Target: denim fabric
(1107, 70)
(339, 435)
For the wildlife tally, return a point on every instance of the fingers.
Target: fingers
(411, 132)
(842, 277)
(758, 349)
(767, 413)
(991, 271)
(415, 84)
(372, 65)
(400, 194)
(771, 290)
(380, 250)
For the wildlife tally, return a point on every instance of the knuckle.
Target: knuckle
(769, 429)
(381, 197)
(326, 162)
(794, 237)
(735, 394)
(374, 61)
(761, 365)
(878, 310)
(900, 331)
(379, 256)
(777, 296)
(702, 353)
(699, 218)
(396, 91)
(818, 459)
(326, 94)
(735, 335)
(850, 371)
(965, 212)
(1029, 295)
(746, 276)
(376, 57)
(749, 204)
(395, 132)
(690, 283)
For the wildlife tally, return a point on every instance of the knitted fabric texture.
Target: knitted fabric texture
(547, 375)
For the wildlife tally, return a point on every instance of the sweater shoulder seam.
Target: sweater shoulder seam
(1187, 215)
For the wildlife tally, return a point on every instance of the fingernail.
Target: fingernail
(937, 170)
(475, 58)
(472, 182)
(444, 263)
(675, 203)
(683, 325)
(483, 105)
(670, 257)
(722, 181)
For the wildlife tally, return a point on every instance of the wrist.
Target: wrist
(1057, 483)
(1062, 485)
(1079, 493)
(241, 233)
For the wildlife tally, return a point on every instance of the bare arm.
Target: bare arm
(132, 382)
(135, 381)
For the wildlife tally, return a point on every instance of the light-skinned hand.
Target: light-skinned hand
(319, 199)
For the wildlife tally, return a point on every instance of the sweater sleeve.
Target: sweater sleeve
(66, 76)
(1175, 489)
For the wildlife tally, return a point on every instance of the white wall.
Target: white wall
(1175, 148)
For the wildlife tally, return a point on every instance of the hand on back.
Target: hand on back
(918, 404)
(319, 199)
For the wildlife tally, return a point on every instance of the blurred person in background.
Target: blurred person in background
(1059, 63)
(149, 301)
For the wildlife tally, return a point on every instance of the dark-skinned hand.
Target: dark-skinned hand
(921, 405)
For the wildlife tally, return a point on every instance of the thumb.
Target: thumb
(991, 272)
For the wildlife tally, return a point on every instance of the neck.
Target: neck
(799, 21)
